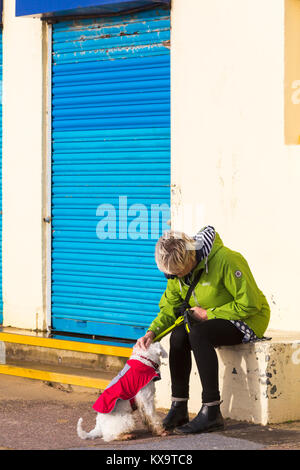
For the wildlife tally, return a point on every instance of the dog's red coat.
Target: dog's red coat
(126, 385)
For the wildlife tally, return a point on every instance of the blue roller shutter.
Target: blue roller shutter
(111, 146)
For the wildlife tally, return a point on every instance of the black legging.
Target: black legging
(202, 340)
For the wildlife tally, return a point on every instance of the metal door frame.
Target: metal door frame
(48, 179)
(1, 189)
(48, 208)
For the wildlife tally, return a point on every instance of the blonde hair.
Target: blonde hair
(174, 251)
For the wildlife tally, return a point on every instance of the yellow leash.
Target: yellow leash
(168, 330)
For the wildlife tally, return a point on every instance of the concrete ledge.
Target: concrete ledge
(19, 346)
(15, 352)
(259, 382)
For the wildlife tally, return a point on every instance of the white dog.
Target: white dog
(132, 389)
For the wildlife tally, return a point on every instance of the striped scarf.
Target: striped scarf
(204, 242)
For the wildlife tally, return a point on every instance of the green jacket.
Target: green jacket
(228, 290)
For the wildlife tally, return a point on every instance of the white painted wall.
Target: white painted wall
(22, 171)
(229, 155)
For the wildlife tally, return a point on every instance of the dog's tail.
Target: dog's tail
(87, 435)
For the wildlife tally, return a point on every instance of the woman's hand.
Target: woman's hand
(200, 313)
(146, 340)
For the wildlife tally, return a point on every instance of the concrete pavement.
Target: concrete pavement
(40, 416)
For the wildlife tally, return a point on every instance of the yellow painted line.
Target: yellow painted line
(49, 376)
(68, 345)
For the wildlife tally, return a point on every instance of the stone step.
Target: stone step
(59, 374)
(74, 363)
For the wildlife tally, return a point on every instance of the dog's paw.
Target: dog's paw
(165, 433)
(127, 437)
(160, 432)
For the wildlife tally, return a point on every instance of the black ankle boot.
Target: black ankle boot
(208, 419)
(177, 416)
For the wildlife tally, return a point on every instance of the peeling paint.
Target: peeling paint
(273, 390)
(129, 34)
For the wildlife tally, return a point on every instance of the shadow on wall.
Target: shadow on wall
(243, 382)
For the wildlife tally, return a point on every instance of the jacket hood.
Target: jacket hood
(208, 243)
